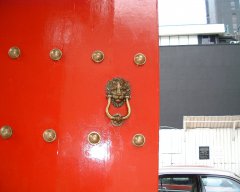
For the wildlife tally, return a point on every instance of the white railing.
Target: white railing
(234, 124)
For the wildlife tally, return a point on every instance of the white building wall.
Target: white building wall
(164, 41)
(174, 40)
(192, 40)
(184, 40)
(178, 40)
(176, 12)
(187, 34)
(180, 147)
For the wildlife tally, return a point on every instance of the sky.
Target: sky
(181, 12)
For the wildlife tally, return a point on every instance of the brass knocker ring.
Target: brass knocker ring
(118, 92)
(117, 119)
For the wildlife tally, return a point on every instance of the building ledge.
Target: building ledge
(192, 29)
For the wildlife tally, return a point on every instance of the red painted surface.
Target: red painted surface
(69, 95)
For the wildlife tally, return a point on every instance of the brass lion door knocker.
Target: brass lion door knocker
(118, 93)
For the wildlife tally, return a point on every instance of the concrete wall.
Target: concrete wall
(199, 80)
(179, 147)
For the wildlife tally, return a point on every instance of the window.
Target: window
(234, 21)
(207, 39)
(213, 184)
(233, 5)
(180, 183)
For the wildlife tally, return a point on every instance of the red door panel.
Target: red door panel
(69, 96)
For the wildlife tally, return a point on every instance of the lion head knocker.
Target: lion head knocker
(118, 89)
(118, 93)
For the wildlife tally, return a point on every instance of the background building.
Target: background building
(199, 80)
(200, 85)
(199, 22)
(226, 12)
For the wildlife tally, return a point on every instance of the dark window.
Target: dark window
(234, 21)
(207, 39)
(178, 183)
(213, 183)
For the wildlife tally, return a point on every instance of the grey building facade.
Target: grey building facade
(199, 80)
(226, 12)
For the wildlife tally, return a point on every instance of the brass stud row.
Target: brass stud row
(94, 138)
(55, 54)
(138, 140)
(139, 58)
(49, 135)
(97, 56)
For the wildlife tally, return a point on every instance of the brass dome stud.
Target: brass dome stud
(49, 135)
(55, 54)
(14, 52)
(94, 138)
(138, 140)
(140, 59)
(6, 132)
(97, 56)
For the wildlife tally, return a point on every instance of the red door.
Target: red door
(79, 96)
